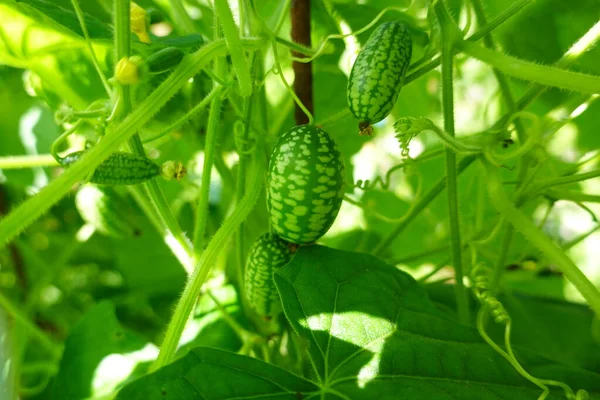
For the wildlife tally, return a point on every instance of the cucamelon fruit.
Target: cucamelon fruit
(268, 253)
(120, 168)
(164, 60)
(378, 74)
(305, 184)
(106, 210)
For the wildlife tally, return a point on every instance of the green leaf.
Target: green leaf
(68, 19)
(213, 330)
(147, 264)
(374, 333)
(546, 326)
(96, 356)
(31, 39)
(206, 373)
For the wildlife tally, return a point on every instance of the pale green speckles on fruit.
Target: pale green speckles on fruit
(106, 210)
(378, 74)
(268, 253)
(305, 184)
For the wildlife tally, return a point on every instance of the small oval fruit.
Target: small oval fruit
(120, 168)
(164, 60)
(106, 210)
(378, 74)
(305, 184)
(268, 254)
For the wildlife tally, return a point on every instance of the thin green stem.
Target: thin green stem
(520, 222)
(420, 205)
(580, 47)
(572, 195)
(529, 71)
(501, 260)
(419, 255)
(481, 32)
(122, 29)
(160, 215)
(28, 211)
(183, 22)
(503, 85)
(564, 180)
(88, 41)
(234, 45)
(297, 47)
(242, 168)
(18, 162)
(172, 230)
(20, 316)
(216, 91)
(288, 87)
(212, 131)
(449, 35)
(59, 140)
(209, 150)
(207, 259)
(453, 143)
(242, 333)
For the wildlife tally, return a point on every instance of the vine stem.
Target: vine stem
(520, 222)
(482, 32)
(17, 162)
(449, 35)
(216, 91)
(31, 209)
(232, 38)
(207, 259)
(582, 45)
(420, 205)
(241, 176)
(212, 131)
(564, 180)
(529, 71)
(184, 23)
(88, 41)
(20, 316)
(181, 246)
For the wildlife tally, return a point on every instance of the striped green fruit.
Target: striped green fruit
(106, 210)
(120, 168)
(164, 60)
(268, 254)
(305, 184)
(378, 74)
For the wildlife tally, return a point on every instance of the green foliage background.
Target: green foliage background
(355, 326)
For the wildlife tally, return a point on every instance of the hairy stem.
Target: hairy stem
(212, 131)
(234, 45)
(172, 230)
(183, 22)
(529, 71)
(244, 157)
(537, 238)
(35, 331)
(482, 32)
(420, 205)
(216, 91)
(207, 259)
(449, 35)
(88, 41)
(18, 162)
(34, 207)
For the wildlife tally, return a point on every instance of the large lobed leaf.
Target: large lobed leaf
(373, 333)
